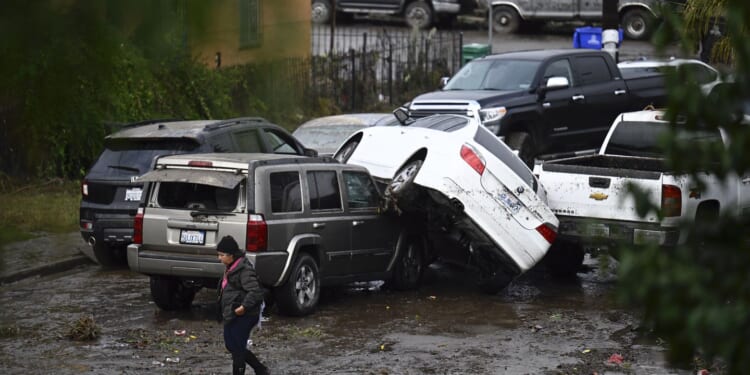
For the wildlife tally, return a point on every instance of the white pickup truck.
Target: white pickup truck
(590, 194)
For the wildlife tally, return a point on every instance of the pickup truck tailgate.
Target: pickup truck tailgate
(599, 195)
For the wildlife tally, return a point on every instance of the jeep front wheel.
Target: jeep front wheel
(301, 292)
(170, 293)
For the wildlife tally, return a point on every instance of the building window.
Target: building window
(251, 34)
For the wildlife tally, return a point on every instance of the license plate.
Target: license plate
(133, 194)
(596, 230)
(193, 237)
(510, 202)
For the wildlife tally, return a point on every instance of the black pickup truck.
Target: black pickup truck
(544, 101)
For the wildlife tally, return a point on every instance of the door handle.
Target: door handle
(356, 223)
(577, 98)
(319, 225)
(620, 92)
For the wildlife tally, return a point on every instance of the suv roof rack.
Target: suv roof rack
(139, 123)
(232, 121)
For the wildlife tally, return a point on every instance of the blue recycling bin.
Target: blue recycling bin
(591, 37)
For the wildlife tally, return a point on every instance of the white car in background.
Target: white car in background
(466, 186)
(705, 75)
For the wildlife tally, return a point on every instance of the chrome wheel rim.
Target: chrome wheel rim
(305, 286)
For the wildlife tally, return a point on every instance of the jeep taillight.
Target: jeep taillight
(84, 188)
(257, 233)
(138, 227)
(671, 200)
(548, 232)
(472, 157)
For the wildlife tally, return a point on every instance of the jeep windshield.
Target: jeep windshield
(130, 157)
(501, 75)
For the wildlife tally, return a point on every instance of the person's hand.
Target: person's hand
(239, 311)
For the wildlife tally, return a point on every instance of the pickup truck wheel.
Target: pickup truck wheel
(637, 24)
(418, 15)
(170, 293)
(110, 256)
(407, 272)
(321, 11)
(402, 187)
(300, 294)
(522, 143)
(564, 258)
(505, 20)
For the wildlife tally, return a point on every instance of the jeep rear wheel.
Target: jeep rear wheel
(407, 272)
(109, 256)
(170, 293)
(301, 292)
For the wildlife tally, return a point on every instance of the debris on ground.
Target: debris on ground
(83, 329)
(615, 359)
(180, 332)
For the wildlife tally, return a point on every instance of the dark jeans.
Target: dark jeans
(236, 333)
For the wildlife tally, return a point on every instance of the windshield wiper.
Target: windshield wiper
(125, 167)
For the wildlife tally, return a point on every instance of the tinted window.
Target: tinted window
(441, 123)
(505, 155)
(494, 75)
(286, 195)
(593, 69)
(280, 144)
(248, 141)
(644, 139)
(559, 68)
(183, 195)
(360, 190)
(700, 73)
(125, 158)
(324, 190)
(221, 142)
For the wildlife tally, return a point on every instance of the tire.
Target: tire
(637, 24)
(418, 15)
(300, 294)
(564, 258)
(110, 256)
(346, 152)
(402, 187)
(170, 293)
(409, 267)
(505, 20)
(521, 142)
(494, 284)
(321, 12)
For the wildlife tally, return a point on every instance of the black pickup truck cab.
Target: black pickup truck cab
(544, 101)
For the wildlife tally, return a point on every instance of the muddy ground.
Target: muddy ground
(539, 325)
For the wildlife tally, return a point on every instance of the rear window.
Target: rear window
(125, 158)
(441, 123)
(645, 139)
(506, 155)
(182, 195)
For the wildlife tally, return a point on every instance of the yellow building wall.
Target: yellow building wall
(285, 32)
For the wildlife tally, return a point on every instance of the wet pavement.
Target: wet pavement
(539, 325)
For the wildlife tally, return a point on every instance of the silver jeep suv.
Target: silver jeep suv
(304, 222)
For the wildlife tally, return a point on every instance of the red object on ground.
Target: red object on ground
(615, 358)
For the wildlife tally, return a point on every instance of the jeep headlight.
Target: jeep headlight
(490, 118)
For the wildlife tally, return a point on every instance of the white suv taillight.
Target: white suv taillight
(472, 157)
(138, 227)
(84, 188)
(257, 233)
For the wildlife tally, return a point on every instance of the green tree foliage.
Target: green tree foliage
(697, 296)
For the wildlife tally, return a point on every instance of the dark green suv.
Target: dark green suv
(110, 195)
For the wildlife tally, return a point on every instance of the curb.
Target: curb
(46, 269)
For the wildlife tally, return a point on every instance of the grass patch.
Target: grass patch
(28, 207)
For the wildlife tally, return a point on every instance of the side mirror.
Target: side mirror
(401, 115)
(554, 83)
(444, 81)
(310, 152)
